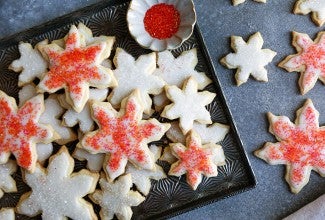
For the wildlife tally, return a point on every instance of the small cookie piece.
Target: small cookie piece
(31, 64)
(57, 192)
(309, 61)
(301, 145)
(237, 2)
(316, 7)
(135, 74)
(196, 159)
(7, 214)
(188, 105)
(7, 183)
(116, 198)
(168, 155)
(94, 161)
(249, 58)
(21, 130)
(44, 151)
(83, 118)
(142, 178)
(75, 68)
(123, 135)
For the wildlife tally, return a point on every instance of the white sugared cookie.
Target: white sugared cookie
(316, 7)
(237, 2)
(94, 161)
(7, 214)
(7, 183)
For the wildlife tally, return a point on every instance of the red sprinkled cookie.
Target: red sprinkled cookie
(301, 146)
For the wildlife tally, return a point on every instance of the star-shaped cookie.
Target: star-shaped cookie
(309, 61)
(135, 74)
(7, 183)
(7, 214)
(316, 7)
(57, 192)
(122, 135)
(249, 58)
(116, 198)
(75, 68)
(188, 105)
(195, 159)
(301, 146)
(237, 2)
(94, 161)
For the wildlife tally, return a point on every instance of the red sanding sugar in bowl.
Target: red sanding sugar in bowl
(162, 21)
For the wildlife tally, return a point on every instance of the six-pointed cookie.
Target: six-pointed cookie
(316, 7)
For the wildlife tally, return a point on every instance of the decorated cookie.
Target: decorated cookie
(237, 2)
(141, 177)
(123, 135)
(75, 68)
(44, 151)
(196, 159)
(316, 7)
(94, 161)
(57, 192)
(301, 146)
(168, 155)
(7, 183)
(116, 198)
(209, 134)
(309, 60)
(188, 105)
(21, 130)
(7, 214)
(83, 118)
(135, 74)
(249, 58)
(31, 64)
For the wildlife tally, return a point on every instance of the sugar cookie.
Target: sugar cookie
(94, 161)
(309, 60)
(135, 74)
(57, 192)
(316, 7)
(75, 68)
(188, 105)
(196, 159)
(116, 198)
(7, 214)
(249, 58)
(123, 135)
(301, 145)
(237, 2)
(7, 183)
(168, 155)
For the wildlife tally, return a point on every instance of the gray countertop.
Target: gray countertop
(218, 20)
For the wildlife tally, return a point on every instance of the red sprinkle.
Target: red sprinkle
(162, 21)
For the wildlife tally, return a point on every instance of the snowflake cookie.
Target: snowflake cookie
(7, 214)
(196, 159)
(116, 198)
(94, 161)
(21, 130)
(31, 64)
(57, 192)
(75, 68)
(249, 58)
(316, 7)
(237, 2)
(301, 146)
(188, 105)
(123, 135)
(7, 183)
(309, 61)
(135, 74)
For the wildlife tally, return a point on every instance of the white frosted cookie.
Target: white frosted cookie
(209, 134)
(141, 177)
(316, 7)
(309, 60)
(168, 155)
(196, 159)
(135, 74)
(7, 183)
(83, 118)
(58, 193)
(116, 198)
(31, 64)
(249, 58)
(76, 67)
(237, 2)
(7, 214)
(94, 161)
(123, 135)
(188, 105)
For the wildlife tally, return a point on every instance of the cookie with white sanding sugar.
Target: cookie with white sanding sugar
(315, 7)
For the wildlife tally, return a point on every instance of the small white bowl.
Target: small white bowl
(135, 18)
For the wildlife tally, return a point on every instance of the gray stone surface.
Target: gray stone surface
(219, 20)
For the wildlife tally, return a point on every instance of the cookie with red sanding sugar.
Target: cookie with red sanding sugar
(196, 159)
(20, 130)
(309, 60)
(75, 68)
(237, 2)
(123, 136)
(316, 7)
(301, 146)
